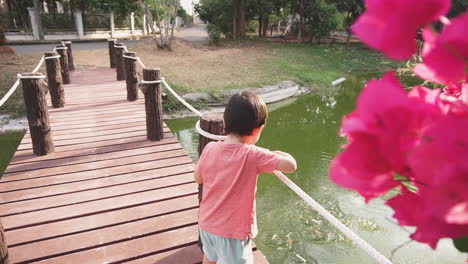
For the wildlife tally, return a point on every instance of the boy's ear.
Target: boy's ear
(258, 130)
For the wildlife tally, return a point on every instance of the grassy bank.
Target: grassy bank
(8, 144)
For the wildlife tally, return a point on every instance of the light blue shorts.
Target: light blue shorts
(226, 250)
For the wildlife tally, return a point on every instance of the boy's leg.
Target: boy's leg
(207, 261)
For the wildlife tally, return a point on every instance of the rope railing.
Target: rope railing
(16, 84)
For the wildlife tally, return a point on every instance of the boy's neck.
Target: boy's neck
(235, 139)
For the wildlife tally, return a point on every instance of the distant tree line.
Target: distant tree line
(313, 19)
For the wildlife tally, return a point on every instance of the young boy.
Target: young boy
(228, 171)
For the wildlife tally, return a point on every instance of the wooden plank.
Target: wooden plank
(107, 236)
(95, 207)
(26, 159)
(83, 176)
(89, 158)
(97, 221)
(103, 182)
(74, 198)
(72, 147)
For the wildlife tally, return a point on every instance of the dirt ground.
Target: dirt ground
(194, 66)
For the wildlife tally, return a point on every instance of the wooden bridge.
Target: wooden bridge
(107, 194)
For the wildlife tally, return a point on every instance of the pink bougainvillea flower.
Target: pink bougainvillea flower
(453, 90)
(361, 167)
(391, 25)
(442, 156)
(445, 58)
(385, 126)
(419, 210)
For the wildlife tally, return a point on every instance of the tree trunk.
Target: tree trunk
(131, 77)
(260, 25)
(34, 92)
(158, 21)
(173, 23)
(149, 20)
(38, 12)
(55, 81)
(153, 105)
(65, 69)
(241, 21)
(301, 27)
(4, 258)
(266, 21)
(234, 27)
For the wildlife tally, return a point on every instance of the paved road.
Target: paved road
(195, 33)
(76, 46)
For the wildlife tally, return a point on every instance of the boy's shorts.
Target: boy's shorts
(226, 250)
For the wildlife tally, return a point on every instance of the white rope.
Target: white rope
(39, 64)
(9, 93)
(55, 49)
(198, 113)
(61, 48)
(206, 134)
(333, 220)
(112, 39)
(52, 57)
(125, 48)
(141, 62)
(150, 82)
(30, 77)
(130, 57)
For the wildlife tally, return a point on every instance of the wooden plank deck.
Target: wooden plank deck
(107, 195)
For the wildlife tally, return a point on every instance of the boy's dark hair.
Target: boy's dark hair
(244, 112)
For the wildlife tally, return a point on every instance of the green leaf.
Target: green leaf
(461, 243)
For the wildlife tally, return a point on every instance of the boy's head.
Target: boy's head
(245, 113)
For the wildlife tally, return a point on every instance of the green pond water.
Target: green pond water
(291, 232)
(8, 144)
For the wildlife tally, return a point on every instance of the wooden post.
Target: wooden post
(71, 64)
(65, 69)
(54, 79)
(119, 63)
(34, 91)
(211, 123)
(131, 77)
(111, 43)
(153, 105)
(4, 258)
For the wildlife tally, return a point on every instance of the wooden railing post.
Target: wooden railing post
(54, 79)
(67, 44)
(119, 63)
(153, 105)
(4, 258)
(111, 43)
(131, 77)
(65, 69)
(211, 123)
(34, 92)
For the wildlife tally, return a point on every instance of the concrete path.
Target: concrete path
(76, 46)
(195, 33)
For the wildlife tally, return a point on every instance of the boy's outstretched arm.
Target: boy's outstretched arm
(287, 162)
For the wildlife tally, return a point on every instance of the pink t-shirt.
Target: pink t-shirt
(229, 173)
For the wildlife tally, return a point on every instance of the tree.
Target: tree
(351, 10)
(323, 17)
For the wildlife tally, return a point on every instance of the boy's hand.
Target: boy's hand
(287, 162)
